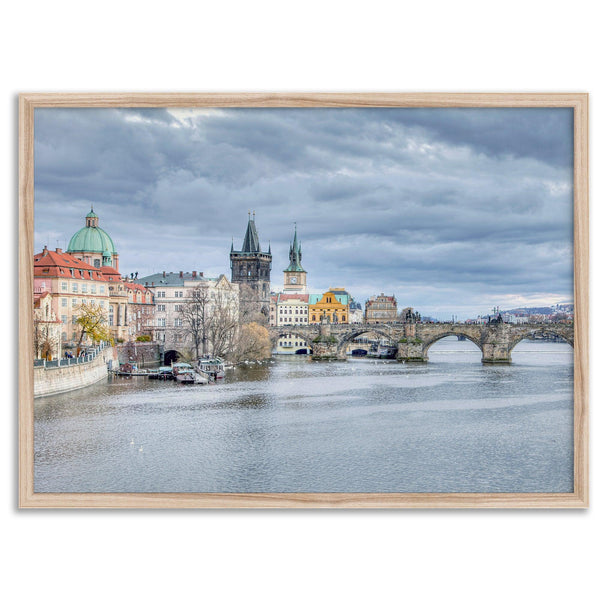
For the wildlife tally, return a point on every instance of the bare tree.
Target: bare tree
(223, 325)
(44, 341)
(195, 315)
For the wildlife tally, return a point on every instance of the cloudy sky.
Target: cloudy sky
(452, 210)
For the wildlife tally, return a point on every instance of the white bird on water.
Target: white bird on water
(141, 449)
(131, 442)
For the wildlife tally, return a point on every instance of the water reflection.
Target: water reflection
(291, 425)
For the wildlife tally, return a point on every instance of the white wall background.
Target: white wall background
(289, 46)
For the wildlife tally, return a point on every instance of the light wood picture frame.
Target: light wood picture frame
(28, 498)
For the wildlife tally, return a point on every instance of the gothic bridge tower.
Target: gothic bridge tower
(252, 267)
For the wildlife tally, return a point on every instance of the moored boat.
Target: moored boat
(211, 368)
(184, 373)
(163, 373)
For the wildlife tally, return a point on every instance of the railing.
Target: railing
(89, 356)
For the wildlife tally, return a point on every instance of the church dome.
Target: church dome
(91, 238)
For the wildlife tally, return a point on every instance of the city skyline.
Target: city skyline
(452, 210)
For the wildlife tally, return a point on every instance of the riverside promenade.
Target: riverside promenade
(64, 375)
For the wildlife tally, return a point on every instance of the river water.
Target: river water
(291, 425)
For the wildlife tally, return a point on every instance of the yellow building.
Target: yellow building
(328, 305)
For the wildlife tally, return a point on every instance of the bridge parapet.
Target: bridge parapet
(413, 340)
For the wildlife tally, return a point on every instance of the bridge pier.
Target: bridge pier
(496, 354)
(411, 350)
(326, 345)
(495, 344)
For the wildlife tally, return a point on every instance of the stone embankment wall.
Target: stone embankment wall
(145, 354)
(55, 380)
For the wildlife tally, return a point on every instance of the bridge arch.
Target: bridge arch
(171, 356)
(277, 334)
(566, 336)
(429, 341)
(348, 338)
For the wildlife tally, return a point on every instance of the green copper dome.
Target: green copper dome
(91, 238)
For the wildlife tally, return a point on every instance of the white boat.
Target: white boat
(213, 368)
(184, 373)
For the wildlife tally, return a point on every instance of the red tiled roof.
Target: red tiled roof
(49, 263)
(303, 297)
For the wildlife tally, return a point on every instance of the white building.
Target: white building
(289, 310)
(172, 290)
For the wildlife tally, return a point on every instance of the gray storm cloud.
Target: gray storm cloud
(452, 210)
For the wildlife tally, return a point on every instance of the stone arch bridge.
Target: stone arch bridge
(495, 340)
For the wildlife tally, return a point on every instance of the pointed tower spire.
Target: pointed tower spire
(251, 243)
(295, 253)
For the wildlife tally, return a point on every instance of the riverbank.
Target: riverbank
(56, 377)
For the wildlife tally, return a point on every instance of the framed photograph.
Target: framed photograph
(303, 300)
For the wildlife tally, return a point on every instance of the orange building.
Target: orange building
(328, 306)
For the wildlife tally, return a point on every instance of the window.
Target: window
(93, 289)
(97, 263)
(64, 302)
(178, 308)
(74, 287)
(110, 319)
(161, 322)
(63, 318)
(83, 301)
(102, 289)
(102, 303)
(74, 319)
(74, 302)
(160, 307)
(178, 322)
(178, 294)
(64, 286)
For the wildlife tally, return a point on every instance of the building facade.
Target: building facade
(71, 284)
(290, 310)
(381, 309)
(251, 268)
(47, 328)
(329, 307)
(171, 292)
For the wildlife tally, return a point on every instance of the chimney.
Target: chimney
(59, 251)
(181, 274)
(164, 273)
(201, 273)
(45, 251)
(194, 274)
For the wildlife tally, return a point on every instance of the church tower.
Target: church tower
(252, 267)
(294, 277)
